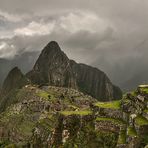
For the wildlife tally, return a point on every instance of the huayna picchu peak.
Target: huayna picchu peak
(54, 68)
(58, 117)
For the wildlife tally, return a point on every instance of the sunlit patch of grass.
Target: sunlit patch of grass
(127, 101)
(131, 131)
(113, 120)
(45, 95)
(81, 113)
(143, 88)
(140, 120)
(110, 105)
(73, 107)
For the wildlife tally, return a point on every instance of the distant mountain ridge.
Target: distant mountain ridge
(53, 67)
(24, 61)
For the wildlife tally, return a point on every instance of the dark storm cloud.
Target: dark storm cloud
(109, 34)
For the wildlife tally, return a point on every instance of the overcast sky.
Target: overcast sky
(109, 34)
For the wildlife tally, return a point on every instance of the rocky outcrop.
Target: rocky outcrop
(54, 68)
(94, 82)
(134, 105)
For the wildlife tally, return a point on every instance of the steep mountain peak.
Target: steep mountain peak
(15, 70)
(54, 68)
(51, 53)
(14, 79)
(53, 44)
(52, 47)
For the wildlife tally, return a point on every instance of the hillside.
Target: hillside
(48, 116)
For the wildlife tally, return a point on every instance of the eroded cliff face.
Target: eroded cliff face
(94, 82)
(54, 68)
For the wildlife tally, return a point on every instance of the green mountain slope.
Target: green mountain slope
(47, 116)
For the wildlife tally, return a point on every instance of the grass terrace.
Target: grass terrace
(45, 95)
(81, 113)
(144, 88)
(131, 131)
(140, 120)
(122, 137)
(109, 105)
(73, 106)
(115, 121)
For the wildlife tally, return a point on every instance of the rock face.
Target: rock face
(94, 82)
(15, 79)
(54, 68)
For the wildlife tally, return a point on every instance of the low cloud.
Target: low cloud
(10, 17)
(6, 50)
(77, 30)
(13, 17)
(35, 28)
(79, 20)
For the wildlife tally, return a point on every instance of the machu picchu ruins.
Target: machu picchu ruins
(62, 117)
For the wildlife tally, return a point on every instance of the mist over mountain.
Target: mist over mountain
(25, 61)
(127, 75)
(109, 35)
(54, 68)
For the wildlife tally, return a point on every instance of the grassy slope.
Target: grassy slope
(110, 105)
(25, 126)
